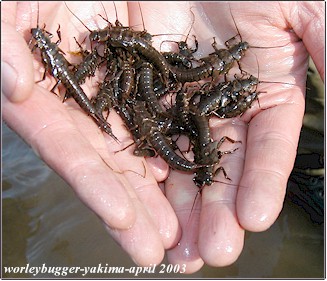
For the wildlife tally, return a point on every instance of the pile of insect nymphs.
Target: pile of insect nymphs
(137, 77)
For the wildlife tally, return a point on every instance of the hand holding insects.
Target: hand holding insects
(269, 131)
(68, 141)
(120, 188)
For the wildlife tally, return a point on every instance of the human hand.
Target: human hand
(269, 132)
(120, 188)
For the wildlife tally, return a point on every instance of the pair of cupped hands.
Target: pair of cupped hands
(144, 205)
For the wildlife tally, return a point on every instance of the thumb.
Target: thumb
(16, 65)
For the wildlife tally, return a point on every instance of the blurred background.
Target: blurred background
(44, 222)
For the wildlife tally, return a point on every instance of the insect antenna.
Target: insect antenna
(186, 36)
(270, 82)
(193, 205)
(138, 2)
(105, 12)
(169, 41)
(199, 192)
(144, 169)
(250, 46)
(117, 22)
(276, 82)
(122, 172)
(77, 17)
(268, 47)
(107, 19)
(129, 145)
(38, 14)
(238, 32)
(256, 58)
(193, 21)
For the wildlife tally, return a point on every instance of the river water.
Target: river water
(45, 223)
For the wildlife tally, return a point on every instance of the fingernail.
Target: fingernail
(9, 80)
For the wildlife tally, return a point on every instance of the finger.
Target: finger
(50, 131)
(309, 24)
(135, 169)
(159, 168)
(8, 10)
(181, 193)
(221, 237)
(271, 148)
(16, 65)
(144, 247)
(118, 11)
